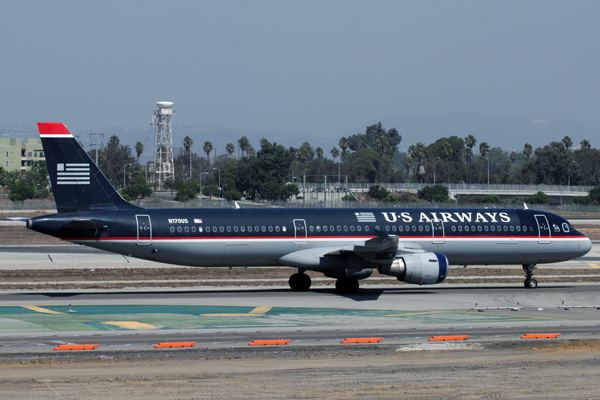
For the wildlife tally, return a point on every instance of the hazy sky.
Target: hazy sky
(319, 67)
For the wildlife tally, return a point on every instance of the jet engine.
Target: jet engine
(420, 268)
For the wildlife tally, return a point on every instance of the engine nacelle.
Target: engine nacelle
(420, 268)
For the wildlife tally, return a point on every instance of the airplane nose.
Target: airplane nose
(586, 246)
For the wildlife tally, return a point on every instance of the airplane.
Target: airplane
(415, 245)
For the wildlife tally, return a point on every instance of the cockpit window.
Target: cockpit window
(566, 227)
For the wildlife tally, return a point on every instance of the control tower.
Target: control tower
(163, 167)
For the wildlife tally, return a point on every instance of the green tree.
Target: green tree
(378, 192)
(567, 142)
(188, 190)
(434, 194)
(112, 158)
(138, 187)
(447, 151)
(585, 144)
(594, 194)
(187, 145)
(21, 191)
(381, 147)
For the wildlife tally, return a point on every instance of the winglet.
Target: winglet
(53, 129)
(236, 205)
(525, 206)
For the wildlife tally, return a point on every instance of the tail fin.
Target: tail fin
(77, 182)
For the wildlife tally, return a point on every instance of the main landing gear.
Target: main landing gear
(347, 285)
(529, 283)
(300, 282)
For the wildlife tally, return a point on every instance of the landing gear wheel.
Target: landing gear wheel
(530, 283)
(348, 285)
(299, 282)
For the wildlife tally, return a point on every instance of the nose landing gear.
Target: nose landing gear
(530, 283)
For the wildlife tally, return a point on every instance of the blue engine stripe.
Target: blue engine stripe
(443, 263)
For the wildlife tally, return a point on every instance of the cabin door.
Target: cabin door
(300, 230)
(438, 232)
(144, 230)
(543, 228)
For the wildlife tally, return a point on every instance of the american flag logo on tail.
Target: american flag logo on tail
(73, 174)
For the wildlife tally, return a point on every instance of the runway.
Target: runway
(36, 322)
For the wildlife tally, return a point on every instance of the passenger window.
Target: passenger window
(414, 228)
(186, 229)
(284, 229)
(505, 228)
(194, 229)
(345, 228)
(460, 228)
(179, 229)
(243, 228)
(221, 229)
(427, 228)
(420, 228)
(256, 229)
(228, 229)
(351, 228)
(339, 228)
(270, 228)
(311, 228)
(394, 228)
(387, 228)
(366, 228)
(235, 228)
(331, 229)
(318, 228)
(407, 228)
(512, 228)
(479, 228)
(249, 229)
(358, 228)
(467, 228)
(493, 228)
(172, 229)
(453, 228)
(377, 228)
(472, 228)
(324, 228)
(400, 228)
(200, 229)
(486, 228)
(277, 228)
(264, 228)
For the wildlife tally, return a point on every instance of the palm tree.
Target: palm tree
(139, 149)
(408, 163)
(527, 150)
(244, 145)
(187, 144)
(319, 152)
(344, 144)
(567, 142)
(470, 142)
(585, 144)
(229, 148)
(447, 151)
(208, 147)
(418, 152)
(484, 149)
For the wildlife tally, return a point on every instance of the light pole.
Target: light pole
(124, 168)
(488, 161)
(220, 191)
(146, 156)
(569, 181)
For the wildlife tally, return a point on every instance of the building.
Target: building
(18, 155)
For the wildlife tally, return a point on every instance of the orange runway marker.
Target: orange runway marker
(76, 347)
(362, 340)
(540, 336)
(448, 338)
(269, 342)
(173, 344)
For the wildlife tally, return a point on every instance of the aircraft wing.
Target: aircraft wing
(380, 249)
